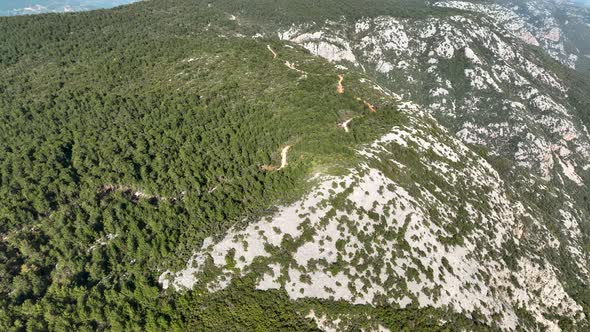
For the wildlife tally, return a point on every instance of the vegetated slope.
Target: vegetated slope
(471, 75)
(105, 114)
(133, 137)
(481, 83)
(491, 89)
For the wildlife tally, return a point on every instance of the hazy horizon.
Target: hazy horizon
(26, 7)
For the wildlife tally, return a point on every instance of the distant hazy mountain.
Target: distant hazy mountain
(26, 7)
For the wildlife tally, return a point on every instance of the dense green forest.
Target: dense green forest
(127, 136)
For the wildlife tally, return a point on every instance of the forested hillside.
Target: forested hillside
(132, 137)
(130, 134)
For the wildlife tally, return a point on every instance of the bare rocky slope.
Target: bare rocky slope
(421, 221)
(475, 203)
(560, 27)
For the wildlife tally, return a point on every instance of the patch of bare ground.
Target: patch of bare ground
(134, 194)
(369, 105)
(340, 88)
(274, 54)
(345, 124)
(284, 162)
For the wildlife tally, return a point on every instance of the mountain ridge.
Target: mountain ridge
(142, 187)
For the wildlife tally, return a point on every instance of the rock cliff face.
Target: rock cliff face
(560, 27)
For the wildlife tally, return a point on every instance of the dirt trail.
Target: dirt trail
(291, 65)
(274, 55)
(345, 124)
(284, 162)
(284, 157)
(369, 105)
(340, 88)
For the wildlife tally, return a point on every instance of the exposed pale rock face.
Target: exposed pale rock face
(328, 47)
(535, 22)
(387, 241)
(530, 99)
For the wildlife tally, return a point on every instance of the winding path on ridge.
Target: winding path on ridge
(284, 157)
(345, 124)
(284, 162)
(291, 65)
(369, 105)
(340, 88)
(274, 55)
